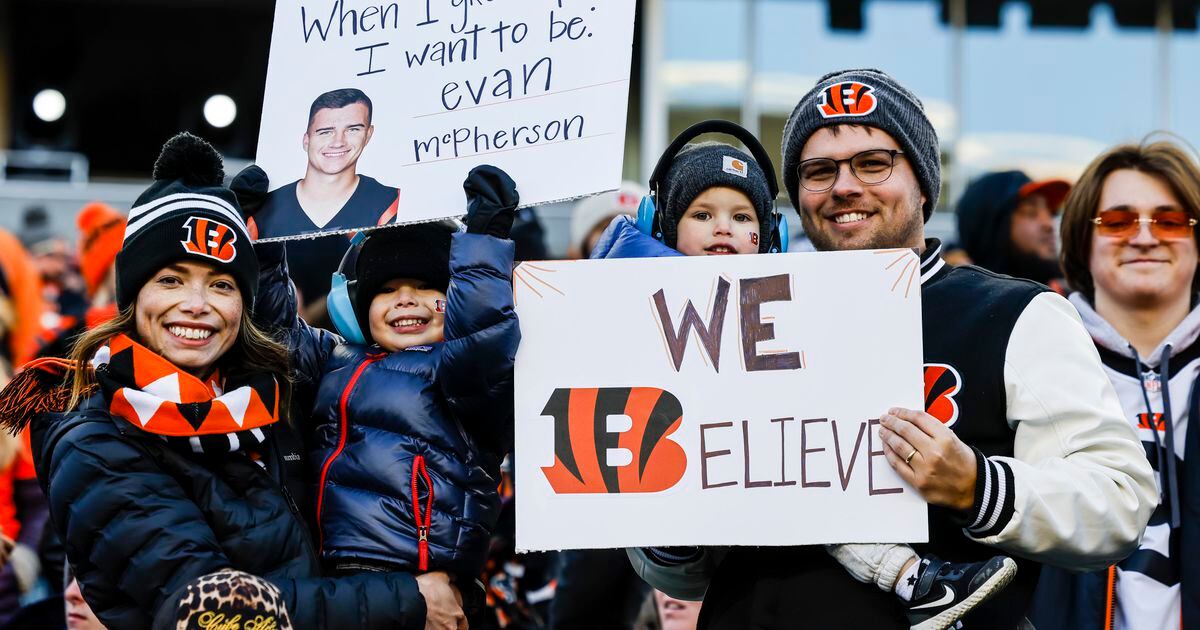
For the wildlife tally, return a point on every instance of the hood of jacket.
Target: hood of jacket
(985, 217)
(1105, 336)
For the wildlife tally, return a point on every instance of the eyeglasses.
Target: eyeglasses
(1165, 225)
(870, 167)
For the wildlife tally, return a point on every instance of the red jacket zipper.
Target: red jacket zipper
(344, 426)
(1110, 603)
(423, 521)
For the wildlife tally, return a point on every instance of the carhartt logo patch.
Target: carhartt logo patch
(847, 99)
(733, 166)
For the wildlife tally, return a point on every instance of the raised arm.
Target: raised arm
(276, 308)
(476, 370)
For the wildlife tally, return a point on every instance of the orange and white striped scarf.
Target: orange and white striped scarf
(210, 416)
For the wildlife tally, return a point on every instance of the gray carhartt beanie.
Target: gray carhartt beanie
(872, 98)
(703, 165)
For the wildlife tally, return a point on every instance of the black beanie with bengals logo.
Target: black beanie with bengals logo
(186, 214)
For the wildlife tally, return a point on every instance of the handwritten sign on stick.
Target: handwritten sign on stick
(715, 401)
(413, 94)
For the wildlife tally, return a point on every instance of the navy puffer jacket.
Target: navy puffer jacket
(140, 520)
(437, 419)
(622, 239)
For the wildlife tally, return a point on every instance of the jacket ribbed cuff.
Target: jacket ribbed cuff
(995, 497)
(673, 556)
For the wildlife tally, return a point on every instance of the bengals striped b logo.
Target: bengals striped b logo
(210, 238)
(582, 440)
(942, 382)
(847, 99)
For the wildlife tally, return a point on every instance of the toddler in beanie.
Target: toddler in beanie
(696, 171)
(710, 199)
(409, 428)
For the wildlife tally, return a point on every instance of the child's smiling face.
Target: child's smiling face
(719, 221)
(406, 313)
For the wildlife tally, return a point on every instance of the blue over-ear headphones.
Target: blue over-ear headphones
(340, 302)
(343, 290)
(648, 221)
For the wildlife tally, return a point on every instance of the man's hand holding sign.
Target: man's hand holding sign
(929, 457)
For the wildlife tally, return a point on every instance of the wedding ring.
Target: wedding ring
(908, 460)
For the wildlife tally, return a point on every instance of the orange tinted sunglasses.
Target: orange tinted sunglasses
(1165, 225)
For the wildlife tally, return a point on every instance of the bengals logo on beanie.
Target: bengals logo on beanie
(187, 213)
(847, 99)
(210, 238)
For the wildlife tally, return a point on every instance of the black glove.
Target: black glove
(250, 187)
(492, 201)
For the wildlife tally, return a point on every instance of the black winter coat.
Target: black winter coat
(140, 520)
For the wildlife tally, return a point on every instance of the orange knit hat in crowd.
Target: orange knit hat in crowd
(101, 230)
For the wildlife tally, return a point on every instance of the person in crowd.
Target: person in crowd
(79, 613)
(413, 418)
(232, 599)
(167, 455)
(101, 229)
(62, 288)
(591, 215)
(706, 208)
(1006, 225)
(709, 209)
(519, 586)
(23, 515)
(21, 305)
(1028, 442)
(663, 612)
(1130, 255)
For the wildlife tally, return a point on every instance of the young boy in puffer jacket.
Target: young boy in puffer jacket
(408, 430)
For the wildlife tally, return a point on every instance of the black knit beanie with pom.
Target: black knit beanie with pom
(186, 214)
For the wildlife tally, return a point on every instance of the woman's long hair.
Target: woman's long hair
(253, 351)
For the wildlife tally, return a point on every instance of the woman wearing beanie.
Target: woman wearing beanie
(167, 455)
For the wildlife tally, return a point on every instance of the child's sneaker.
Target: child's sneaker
(946, 591)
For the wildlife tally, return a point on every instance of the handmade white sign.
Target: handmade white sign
(726, 400)
(411, 95)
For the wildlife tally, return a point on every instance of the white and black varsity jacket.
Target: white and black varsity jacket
(1160, 396)
(1062, 479)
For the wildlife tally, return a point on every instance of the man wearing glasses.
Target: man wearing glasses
(1021, 448)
